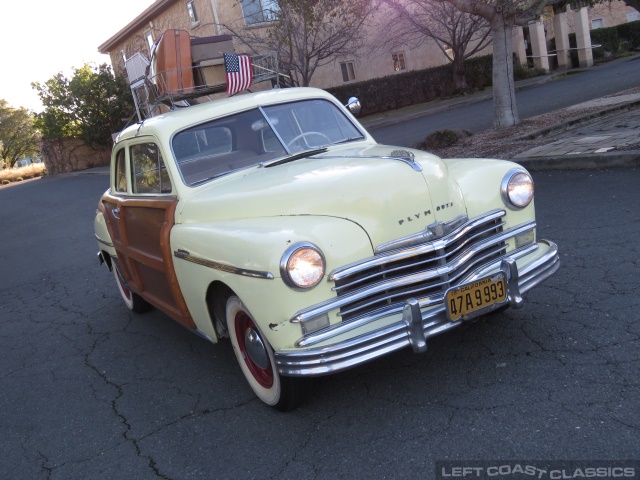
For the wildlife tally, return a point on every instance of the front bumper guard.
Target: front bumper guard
(415, 327)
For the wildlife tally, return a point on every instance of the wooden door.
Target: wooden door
(140, 229)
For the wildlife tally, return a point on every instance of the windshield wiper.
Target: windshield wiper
(296, 156)
(350, 139)
(204, 180)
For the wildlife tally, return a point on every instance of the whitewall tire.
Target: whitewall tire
(257, 362)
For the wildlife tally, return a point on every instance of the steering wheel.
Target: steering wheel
(304, 134)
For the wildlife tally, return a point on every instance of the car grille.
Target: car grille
(427, 270)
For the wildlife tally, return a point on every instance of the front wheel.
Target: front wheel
(134, 302)
(258, 364)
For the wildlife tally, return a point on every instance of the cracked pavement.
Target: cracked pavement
(90, 390)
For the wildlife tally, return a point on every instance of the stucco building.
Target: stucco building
(205, 18)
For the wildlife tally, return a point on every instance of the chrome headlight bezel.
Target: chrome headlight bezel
(288, 263)
(508, 185)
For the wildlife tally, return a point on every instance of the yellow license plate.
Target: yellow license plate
(471, 299)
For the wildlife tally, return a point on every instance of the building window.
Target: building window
(398, 61)
(597, 23)
(633, 16)
(259, 11)
(124, 56)
(193, 13)
(348, 72)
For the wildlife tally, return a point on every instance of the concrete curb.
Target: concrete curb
(587, 118)
(620, 159)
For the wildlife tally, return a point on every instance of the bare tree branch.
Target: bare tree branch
(308, 34)
(456, 34)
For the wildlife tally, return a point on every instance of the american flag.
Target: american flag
(239, 72)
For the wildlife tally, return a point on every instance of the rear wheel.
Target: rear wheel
(257, 361)
(134, 302)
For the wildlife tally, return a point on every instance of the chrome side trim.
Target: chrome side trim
(184, 255)
(437, 272)
(363, 348)
(104, 242)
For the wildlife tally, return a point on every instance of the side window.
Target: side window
(120, 174)
(148, 170)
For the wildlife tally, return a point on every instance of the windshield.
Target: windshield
(244, 139)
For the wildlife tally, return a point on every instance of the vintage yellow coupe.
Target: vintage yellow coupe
(275, 220)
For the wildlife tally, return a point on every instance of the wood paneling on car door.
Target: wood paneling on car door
(140, 229)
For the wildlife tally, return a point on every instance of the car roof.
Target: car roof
(168, 123)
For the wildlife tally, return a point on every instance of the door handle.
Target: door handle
(115, 212)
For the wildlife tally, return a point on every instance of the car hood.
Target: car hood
(371, 186)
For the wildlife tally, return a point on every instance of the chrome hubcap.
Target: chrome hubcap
(256, 349)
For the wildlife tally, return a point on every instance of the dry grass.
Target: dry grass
(22, 173)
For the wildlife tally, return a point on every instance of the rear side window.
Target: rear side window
(148, 170)
(121, 173)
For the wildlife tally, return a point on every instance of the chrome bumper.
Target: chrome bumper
(415, 327)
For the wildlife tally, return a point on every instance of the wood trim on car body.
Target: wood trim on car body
(147, 263)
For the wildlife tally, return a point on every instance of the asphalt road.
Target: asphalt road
(90, 391)
(562, 92)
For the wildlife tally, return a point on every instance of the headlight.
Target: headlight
(517, 189)
(302, 266)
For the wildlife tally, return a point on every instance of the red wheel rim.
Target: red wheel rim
(263, 376)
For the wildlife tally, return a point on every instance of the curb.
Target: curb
(629, 158)
(561, 127)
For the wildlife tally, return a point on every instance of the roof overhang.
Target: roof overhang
(144, 18)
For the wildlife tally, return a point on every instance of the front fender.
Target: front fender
(480, 181)
(257, 245)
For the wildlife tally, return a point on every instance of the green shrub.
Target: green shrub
(629, 34)
(19, 179)
(416, 86)
(6, 182)
(444, 138)
(608, 39)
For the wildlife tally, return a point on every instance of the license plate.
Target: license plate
(474, 298)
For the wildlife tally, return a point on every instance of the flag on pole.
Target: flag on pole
(239, 72)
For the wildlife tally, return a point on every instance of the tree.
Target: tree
(502, 15)
(458, 35)
(18, 136)
(90, 106)
(308, 34)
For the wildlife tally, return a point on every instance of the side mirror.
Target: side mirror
(354, 105)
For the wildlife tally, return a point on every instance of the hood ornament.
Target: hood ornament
(432, 232)
(405, 156)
